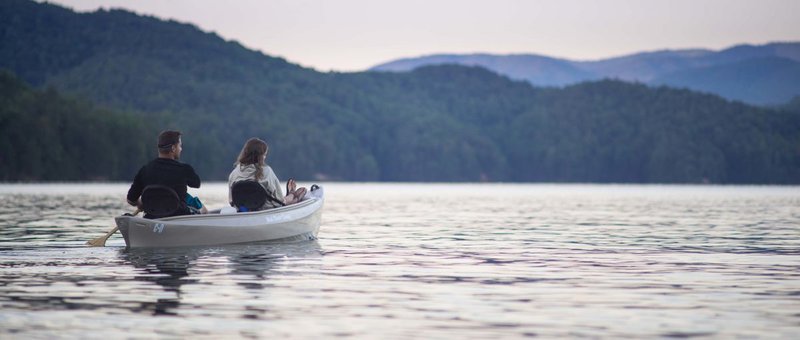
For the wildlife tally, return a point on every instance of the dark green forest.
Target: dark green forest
(44, 136)
(438, 123)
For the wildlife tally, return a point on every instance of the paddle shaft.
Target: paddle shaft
(101, 241)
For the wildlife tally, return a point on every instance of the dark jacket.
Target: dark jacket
(167, 172)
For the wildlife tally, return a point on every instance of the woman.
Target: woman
(251, 166)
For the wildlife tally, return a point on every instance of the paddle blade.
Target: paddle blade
(101, 241)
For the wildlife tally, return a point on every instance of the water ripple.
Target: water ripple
(419, 260)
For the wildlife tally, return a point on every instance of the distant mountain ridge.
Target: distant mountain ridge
(777, 75)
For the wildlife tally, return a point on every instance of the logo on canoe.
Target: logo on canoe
(277, 218)
(158, 228)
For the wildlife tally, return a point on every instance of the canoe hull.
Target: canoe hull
(297, 221)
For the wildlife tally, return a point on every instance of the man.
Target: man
(166, 170)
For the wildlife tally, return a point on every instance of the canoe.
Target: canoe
(299, 221)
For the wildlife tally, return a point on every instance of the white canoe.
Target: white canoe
(294, 222)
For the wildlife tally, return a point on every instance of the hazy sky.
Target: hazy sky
(350, 35)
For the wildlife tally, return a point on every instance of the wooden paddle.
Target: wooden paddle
(101, 241)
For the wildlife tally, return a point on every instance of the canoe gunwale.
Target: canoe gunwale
(277, 210)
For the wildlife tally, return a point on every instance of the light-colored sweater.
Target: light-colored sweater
(268, 180)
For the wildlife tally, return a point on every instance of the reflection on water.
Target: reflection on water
(419, 260)
(249, 265)
(169, 272)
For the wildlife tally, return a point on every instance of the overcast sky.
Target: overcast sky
(352, 35)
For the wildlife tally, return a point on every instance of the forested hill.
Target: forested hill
(439, 123)
(45, 136)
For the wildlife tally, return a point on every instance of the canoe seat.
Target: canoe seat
(160, 201)
(248, 195)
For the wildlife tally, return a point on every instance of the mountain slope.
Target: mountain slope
(539, 70)
(42, 40)
(745, 80)
(661, 67)
(46, 136)
(643, 67)
(436, 123)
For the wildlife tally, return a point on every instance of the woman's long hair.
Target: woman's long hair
(254, 152)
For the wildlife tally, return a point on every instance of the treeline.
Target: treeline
(44, 136)
(476, 125)
(591, 132)
(442, 123)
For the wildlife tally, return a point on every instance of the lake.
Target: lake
(434, 261)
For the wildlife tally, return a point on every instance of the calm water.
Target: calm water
(419, 261)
